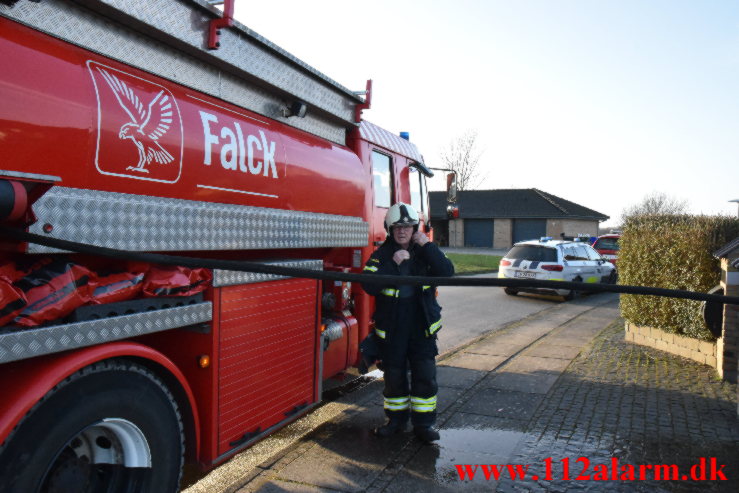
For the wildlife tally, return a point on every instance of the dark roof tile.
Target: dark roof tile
(511, 203)
(721, 252)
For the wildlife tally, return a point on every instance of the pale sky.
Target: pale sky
(598, 102)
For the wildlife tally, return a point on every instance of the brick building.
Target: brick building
(499, 218)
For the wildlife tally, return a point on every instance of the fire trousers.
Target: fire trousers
(407, 347)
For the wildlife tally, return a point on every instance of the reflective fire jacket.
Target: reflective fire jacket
(425, 261)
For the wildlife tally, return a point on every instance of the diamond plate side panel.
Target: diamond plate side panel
(234, 277)
(144, 223)
(31, 176)
(245, 49)
(191, 64)
(36, 342)
(380, 136)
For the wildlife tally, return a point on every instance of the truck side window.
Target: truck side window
(419, 194)
(424, 196)
(416, 192)
(382, 179)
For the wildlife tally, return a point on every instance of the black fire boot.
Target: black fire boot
(364, 365)
(390, 428)
(426, 433)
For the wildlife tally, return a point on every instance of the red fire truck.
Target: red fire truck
(165, 126)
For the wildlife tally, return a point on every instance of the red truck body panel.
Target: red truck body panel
(75, 105)
(267, 361)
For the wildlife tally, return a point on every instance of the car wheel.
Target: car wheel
(510, 291)
(111, 427)
(613, 278)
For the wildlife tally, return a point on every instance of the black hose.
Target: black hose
(248, 266)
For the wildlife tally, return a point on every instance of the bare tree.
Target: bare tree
(463, 156)
(656, 203)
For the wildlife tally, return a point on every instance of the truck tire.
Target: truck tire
(510, 291)
(110, 427)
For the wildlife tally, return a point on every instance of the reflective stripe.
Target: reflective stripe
(374, 260)
(426, 287)
(380, 333)
(370, 268)
(592, 279)
(393, 293)
(397, 403)
(433, 327)
(421, 405)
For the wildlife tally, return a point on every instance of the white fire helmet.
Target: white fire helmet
(401, 214)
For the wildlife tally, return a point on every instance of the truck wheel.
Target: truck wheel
(110, 427)
(510, 291)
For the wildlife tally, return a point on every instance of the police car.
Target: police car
(554, 260)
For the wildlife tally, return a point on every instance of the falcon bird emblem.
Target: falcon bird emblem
(147, 125)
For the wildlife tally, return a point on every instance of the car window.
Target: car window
(607, 244)
(567, 253)
(575, 252)
(592, 254)
(582, 252)
(533, 252)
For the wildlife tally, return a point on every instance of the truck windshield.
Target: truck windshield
(607, 244)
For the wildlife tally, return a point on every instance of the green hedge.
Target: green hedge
(674, 252)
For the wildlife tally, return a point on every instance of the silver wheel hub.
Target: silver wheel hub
(113, 441)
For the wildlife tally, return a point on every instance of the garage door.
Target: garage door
(529, 229)
(478, 233)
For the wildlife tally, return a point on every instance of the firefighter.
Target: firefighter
(407, 319)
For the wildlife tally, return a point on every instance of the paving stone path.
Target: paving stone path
(639, 405)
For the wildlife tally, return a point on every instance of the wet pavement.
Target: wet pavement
(558, 394)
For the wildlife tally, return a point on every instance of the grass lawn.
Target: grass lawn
(467, 263)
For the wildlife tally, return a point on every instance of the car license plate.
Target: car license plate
(525, 275)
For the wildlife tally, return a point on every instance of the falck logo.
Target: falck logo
(139, 131)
